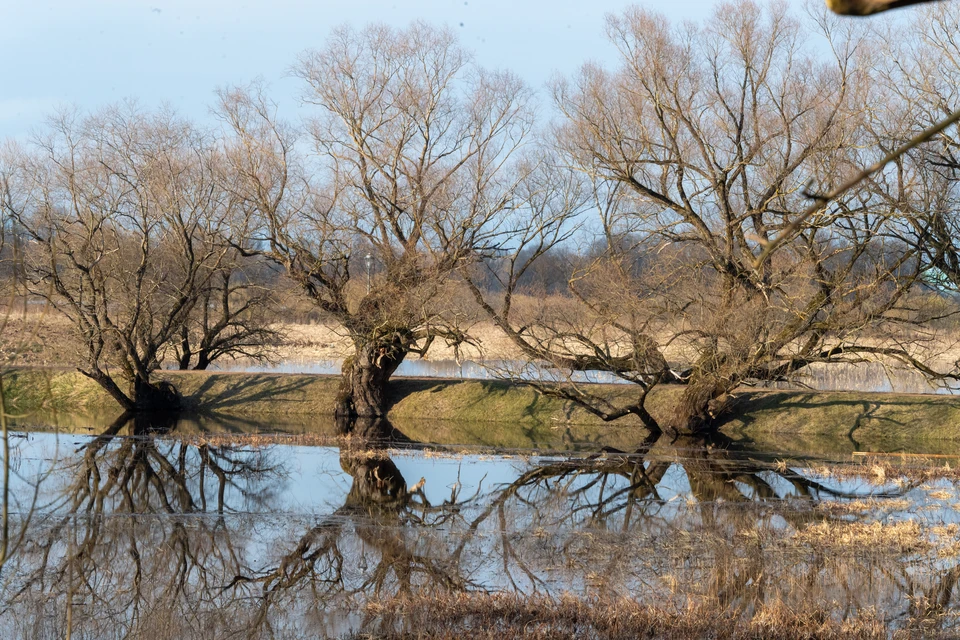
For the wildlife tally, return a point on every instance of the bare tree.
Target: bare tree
(705, 144)
(918, 63)
(416, 165)
(122, 210)
(232, 318)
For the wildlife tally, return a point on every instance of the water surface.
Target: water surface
(188, 534)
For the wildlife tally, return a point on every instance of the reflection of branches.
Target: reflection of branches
(150, 475)
(669, 518)
(387, 539)
(119, 541)
(711, 530)
(592, 491)
(386, 518)
(11, 542)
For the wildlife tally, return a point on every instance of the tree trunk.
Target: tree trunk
(142, 396)
(110, 386)
(203, 360)
(160, 397)
(372, 431)
(363, 387)
(704, 400)
(185, 353)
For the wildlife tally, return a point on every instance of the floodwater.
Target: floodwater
(197, 529)
(867, 376)
(419, 368)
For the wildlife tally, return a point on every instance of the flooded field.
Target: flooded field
(203, 531)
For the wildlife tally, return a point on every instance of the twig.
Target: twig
(823, 200)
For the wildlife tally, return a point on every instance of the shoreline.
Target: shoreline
(861, 418)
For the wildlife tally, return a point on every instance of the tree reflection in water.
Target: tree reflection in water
(138, 535)
(160, 536)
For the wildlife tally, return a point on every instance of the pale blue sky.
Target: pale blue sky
(91, 53)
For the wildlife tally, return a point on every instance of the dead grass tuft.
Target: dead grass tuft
(864, 506)
(496, 616)
(888, 469)
(903, 537)
(258, 440)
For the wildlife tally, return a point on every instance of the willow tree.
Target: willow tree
(415, 160)
(121, 210)
(706, 144)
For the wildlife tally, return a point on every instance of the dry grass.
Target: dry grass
(261, 440)
(323, 341)
(890, 537)
(499, 617)
(859, 507)
(56, 345)
(314, 340)
(885, 470)
(50, 340)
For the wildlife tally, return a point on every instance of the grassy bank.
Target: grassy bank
(849, 421)
(254, 394)
(501, 412)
